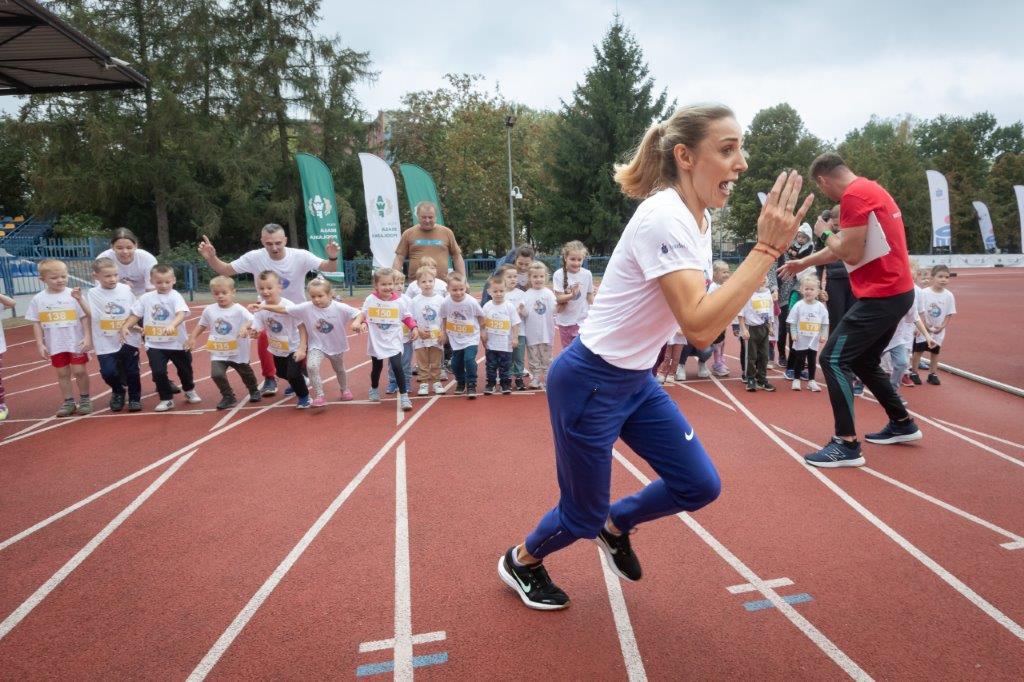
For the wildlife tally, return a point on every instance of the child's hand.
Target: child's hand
(170, 331)
(255, 307)
(76, 293)
(187, 345)
(85, 346)
(515, 342)
(42, 351)
(522, 310)
(745, 333)
(931, 342)
(136, 329)
(483, 337)
(300, 355)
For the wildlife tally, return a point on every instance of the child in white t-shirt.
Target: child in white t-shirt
(515, 296)
(463, 327)
(407, 339)
(162, 313)
(287, 338)
(63, 334)
(5, 302)
(720, 272)
(539, 319)
(574, 291)
(670, 364)
(808, 328)
(896, 356)
(110, 303)
(426, 308)
(937, 308)
(501, 320)
(386, 313)
(755, 323)
(228, 324)
(414, 289)
(327, 323)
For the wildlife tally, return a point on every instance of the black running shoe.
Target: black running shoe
(227, 402)
(933, 379)
(135, 406)
(255, 396)
(489, 389)
(896, 432)
(506, 389)
(471, 391)
(765, 386)
(116, 403)
(620, 555)
(460, 389)
(520, 384)
(838, 453)
(916, 378)
(751, 386)
(532, 584)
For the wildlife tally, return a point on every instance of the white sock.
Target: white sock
(515, 557)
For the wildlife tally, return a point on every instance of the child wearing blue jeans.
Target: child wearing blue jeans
(463, 327)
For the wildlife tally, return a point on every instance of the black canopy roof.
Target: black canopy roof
(41, 53)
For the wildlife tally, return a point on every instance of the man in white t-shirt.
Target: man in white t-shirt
(291, 266)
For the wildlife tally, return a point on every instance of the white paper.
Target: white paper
(875, 244)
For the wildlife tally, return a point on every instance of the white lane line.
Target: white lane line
(249, 610)
(41, 363)
(127, 479)
(980, 433)
(623, 627)
(762, 586)
(1016, 541)
(957, 434)
(403, 580)
(747, 587)
(702, 394)
(382, 644)
(970, 595)
(74, 562)
(18, 374)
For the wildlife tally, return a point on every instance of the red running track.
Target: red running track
(275, 550)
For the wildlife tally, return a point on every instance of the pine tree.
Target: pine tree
(605, 119)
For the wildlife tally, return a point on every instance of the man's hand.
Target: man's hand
(820, 225)
(207, 249)
(790, 268)
(332, 249)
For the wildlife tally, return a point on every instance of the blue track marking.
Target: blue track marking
(388, 666)
(765, 604)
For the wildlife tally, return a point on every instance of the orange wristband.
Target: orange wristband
(770, 250)
(763, 249)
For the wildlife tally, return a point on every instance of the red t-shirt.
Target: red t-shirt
(890, 274)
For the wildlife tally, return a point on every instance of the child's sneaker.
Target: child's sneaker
(3, 412)
(192, 397)
(255, 396)
(790, 374)
(319, 401)
(460, 389)
(66, 409)
(303, 403)
(506, 389)
(404, 402)
(813, 386)
(444, 375)
(164, 405)
(424, 389)
(720, 370)
(116, 402)
(905, 381)
(765, 386)
(471, 391)
(796, 384)
(227, 402)
(751, 385)
(915, 378)
(392, 388)
(346, 395)
(680, 373)
(438, 388)
(489, 389)
(269, 386)
(805, 375)
(933, 379)
(135, 406)
(702, 370)
(662, 378)
(374, 395)
(85, 405)
(924, 363)
(534, 385)
(520, 384)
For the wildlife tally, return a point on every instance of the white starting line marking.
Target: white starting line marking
(74, 562)
(747, 587)
(970, 595)
(1016, 541)
(785, 608)
(704, 395)
(623, 628)
(980, 433)
(382, 644)
(403, 579)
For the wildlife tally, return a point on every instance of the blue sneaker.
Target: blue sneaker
(790, 374)
(838, 453)
(289, 390)
(858, 388)
(896, 432)
(805, 375)
(392, 388)
(374, 395)
(303, 403)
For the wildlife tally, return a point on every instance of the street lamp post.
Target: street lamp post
(510, 121)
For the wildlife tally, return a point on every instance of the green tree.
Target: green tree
(14, 186)
(775, 141)
(606, 117)
(1007, 171)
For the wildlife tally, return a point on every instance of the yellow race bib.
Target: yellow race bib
(221, 346)
(155, 332)
(458, 328)
(57, 316)
(111, 326)
(809, 328)
(499, 327)
(435, 332)
(762, 305)
(382, 315)
(280, 345)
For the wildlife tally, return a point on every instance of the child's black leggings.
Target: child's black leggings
(377, 366)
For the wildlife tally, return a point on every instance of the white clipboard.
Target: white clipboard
(875, 244)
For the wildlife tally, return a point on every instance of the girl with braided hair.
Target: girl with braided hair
(574, 291)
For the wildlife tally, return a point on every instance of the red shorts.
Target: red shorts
(64, 359)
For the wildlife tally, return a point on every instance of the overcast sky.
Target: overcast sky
(836, 63)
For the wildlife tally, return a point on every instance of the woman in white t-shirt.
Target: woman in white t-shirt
(133, 263)
(601, 388)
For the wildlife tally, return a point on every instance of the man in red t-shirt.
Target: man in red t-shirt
(885, 292)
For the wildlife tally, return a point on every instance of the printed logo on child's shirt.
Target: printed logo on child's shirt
(112, 309)
(221, 327)
(285, 282)
(539, 307)
(934, 310)
(323, 326)
(274, 325)
(159, 313)
(429, 313)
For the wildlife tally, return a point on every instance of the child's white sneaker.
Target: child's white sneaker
(814, 387)
(534, 385)
(424, 389)
(444, 375)
(164, 405)
(662, 378)
(702, 370)
(796, 384)
(680, 373)
(192, 397)
(438, 388)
